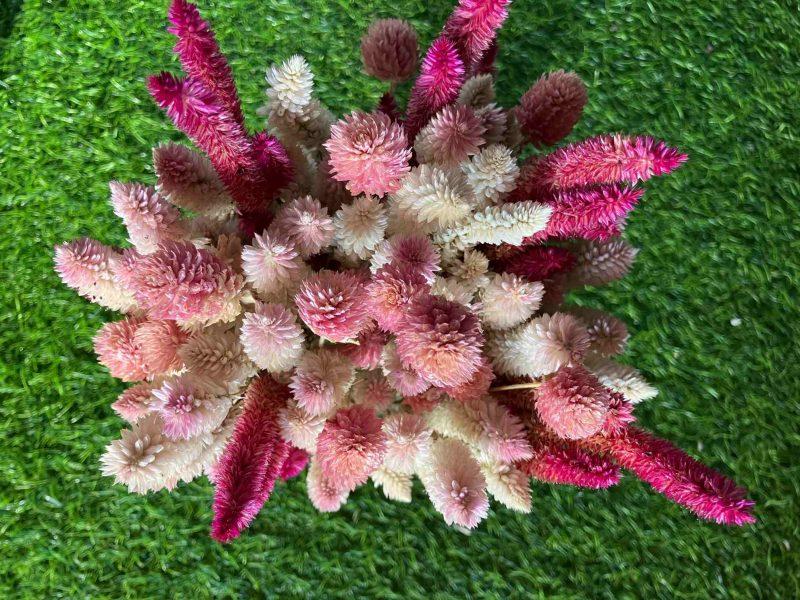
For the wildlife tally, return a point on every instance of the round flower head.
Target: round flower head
(492, 172)
(434, 195)
(441, 340)
(408, 441)
(389, 293)
(620, 415)
(290, 85)
(509, 300)
(217, 355)
(272, 338)
(370, 152)
(403, 379)
(408, 250)
(149, 218)
(351, 446)
(477, 91)
(476, 387)
(321, 381)
(373, 390)
(305, 222)
(389, 50)
(360, 226)
(471, 268)
(324, 495)
(159, 342)
(299, 427)
(134, 403)
(455, 484)
(551, 107)
(273, 265)
(495, 120)
(608, 334)
(333, 305)
(188, 408)
(116, 348)
(573, 403)
(452, 136)
(366, 352)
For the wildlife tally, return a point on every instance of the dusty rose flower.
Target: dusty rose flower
(389, 50)
(321, 380)
(159, 342)
(373, 390)
(411, 250)
(117, 349)
(390, 292)
(272, 338)
(366, 352)
(273, 265)
(306, 224)
(324, 495)
(299, 427)
(475, 388)
(333, 304)
(188, 408)
(135, 402)
(573, 403)
(404, 379)
(452, 136)
(408, 441)
(149, 218)
(550, 108)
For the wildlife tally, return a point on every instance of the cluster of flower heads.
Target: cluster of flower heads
(379, 297)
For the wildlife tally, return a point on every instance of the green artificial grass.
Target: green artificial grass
(712, 304)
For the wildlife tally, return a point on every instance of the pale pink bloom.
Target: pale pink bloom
(134, 403)
(299, 427)
(188, 408)
(551, 107)
(475, 388)
(87, 266)
(502, 436)
(622, 378)
(272, 337)
(473, 27)
(351, 446)
(396, 486)
(370, 152)
(290, 85)
(389, 50)
(452, 136)
(273, 265)
(324, 495)
(509, 300)
(360, 226)
(403, 379)
(492, 172)
(389, 293)
(372, 389)
(455, 484)
(573, 403)
(159, 342)
(306, 224)
(333, 304)
(186, 284)
(216, 354)
(408, 441)
(608, 334)
(423, 403)
(149, 218)
(441, 340)
(321, 380)
(508, 485)
(117, 349)
(366, 352)
(408, 250)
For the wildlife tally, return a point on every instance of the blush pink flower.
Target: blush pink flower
(389, 50)
(306, 223)
(324, 495)
(333, 304)
(272, 337)
(391, 291)
(408, 442)
(441, 340)
(573, 403)
(148, 217)
(475, 388)
(366, 352)
(620, 415)
(188, 408)
(403, 379)
(117, 350)
(321, 381)
(351, 446)
(273, 265)
(370, 152)
(372, 389)
(134, 403)
(159, 342)
(410, 250)
(451, 137)
(551, 107)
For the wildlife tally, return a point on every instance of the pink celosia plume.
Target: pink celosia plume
(567, 463)
(294, 464)
(389, 293)
(148, 217)
(135, 402)
(537, 263)
(473, 27)
(117, 349)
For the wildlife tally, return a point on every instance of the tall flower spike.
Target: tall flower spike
(148, 217)
(509, 300)
(508, 223)
(201, 57)
(88, 266)
(551, 107)
(408, 442)
(389, 50)
(188, 408)
(573, 403)
(567, 463)
(351, 446)
(453, 135)
(455, 484)
(491, 173)
(440, 79)
(290, 85)
(369, 152)
(272, 338)
(474, 25)
(273, 265)
(332, 304)
(306, 224)
(441, 340)
(602, 262)
(116, 348)
(321, 380)
(434, 195)
(360, 226)
(252, 460)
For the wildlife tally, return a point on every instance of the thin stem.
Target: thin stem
(516, 386)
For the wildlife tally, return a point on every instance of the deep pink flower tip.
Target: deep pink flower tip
(414, 251)
(474, 24)
(370, 152)
(620, 415)
(391, 290)
(573, 403)
(294, 463)
(273, 160)
(537, 263)
(351, 446)
(333, 304)
(441, 340)
(563, 462)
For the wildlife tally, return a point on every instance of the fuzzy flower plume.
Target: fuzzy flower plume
(389, 50)
(477, 91)
(369, 152)
(332, 304)
(390, 292)
(452, 136)
(435, 195)
(508, 223)
(134, 403)
(438, 84)
(441, 340)
(455, 484)
(474, 25)
(360, 226)
(537, 263)
(186, 284)
(551, 107)
(148, 217)
(681, 478)
(306, 224)
(117, 350)
(252, 460)
(351, 446)
(492, 172)
(87, 266)
(217, 355)
(395, 486)
(324, 495)
(567, 463)
(372, 389)
(290, 85)
(411, 250)
(608, 334)
(408, 442)
(621, 378)
(601, 262)
(188, 408)
(573, 403)
(509, 300)
(294, 464)
(321, 380)
(272, 265)
(620, 415)
(159, 343)
(272, 338)
(540, 346)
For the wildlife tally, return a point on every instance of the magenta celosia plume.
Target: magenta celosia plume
(378, 296)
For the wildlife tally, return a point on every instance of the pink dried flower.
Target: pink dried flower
(184, 283)
(149, 218)
(158, 342)
(273, 265)
(441, 340)
(188, 408)
(474, 25)
(299, 427)
(424, 402)
(321, 381)
(573, 403)
(620, 415)
(306, 224)
(452, 136)
(475, 388)
(116, 349)
(324, 495)
(366, 352)
(440, 79)
(566, 463)
(404, 379)
(681, 478)
(551, 107)
(390, 292)
(455, 484)
(408, 441)
(216, 354)
(608, 334)
(502, 436)
(389, 50)
(252, 460)
(333, 304)
(373, 390)
(272, 338)
(601, 262)
(134, 403)
(351, 446)
(408, 250)
(509, 300)
(331, 193)
(537, 263)
(294, 464)
(370, 152)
